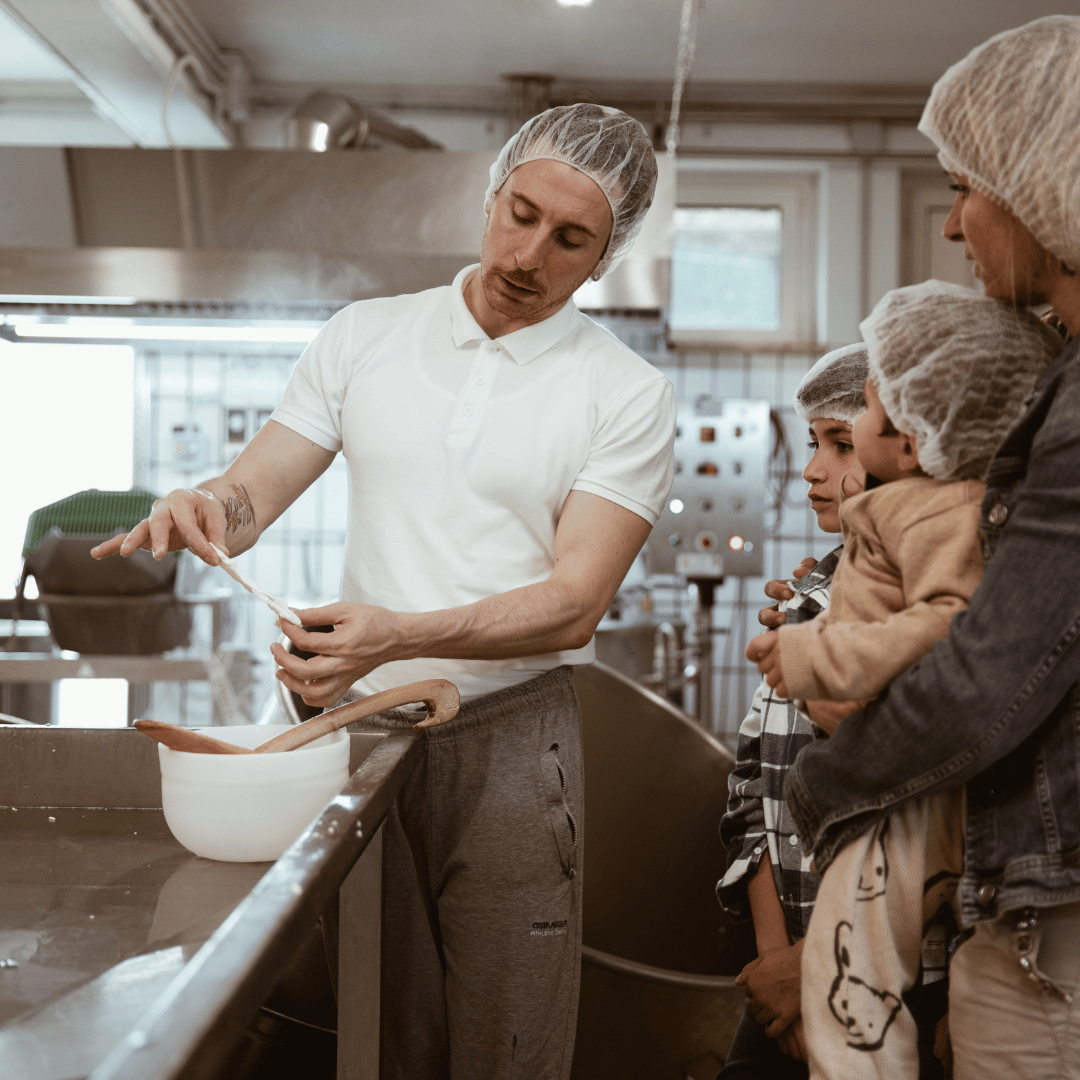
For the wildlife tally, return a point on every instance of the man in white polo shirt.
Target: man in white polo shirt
(507, 459)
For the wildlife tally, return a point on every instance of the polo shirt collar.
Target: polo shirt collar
(524, 345)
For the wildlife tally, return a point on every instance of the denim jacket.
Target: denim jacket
(996, 704)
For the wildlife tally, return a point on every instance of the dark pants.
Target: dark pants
(481, 950)
(754, 1056)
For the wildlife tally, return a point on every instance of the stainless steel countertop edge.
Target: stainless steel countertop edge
(189, 1029)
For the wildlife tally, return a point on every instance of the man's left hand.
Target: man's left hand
(359, 642)
(764, 650)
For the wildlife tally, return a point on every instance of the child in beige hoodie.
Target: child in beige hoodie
(949, 371)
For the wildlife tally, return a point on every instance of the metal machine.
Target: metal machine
(714, 522)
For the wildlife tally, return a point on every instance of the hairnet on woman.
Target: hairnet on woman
(1007, 117)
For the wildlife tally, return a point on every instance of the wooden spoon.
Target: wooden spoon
(440, 696)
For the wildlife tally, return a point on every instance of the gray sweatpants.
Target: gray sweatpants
(482, 892)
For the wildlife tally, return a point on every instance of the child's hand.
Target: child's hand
(828, 714)
(778, 589)
(853, 482)
(793, 1041)
(764, 650)
(941, 1038)
(772, 984)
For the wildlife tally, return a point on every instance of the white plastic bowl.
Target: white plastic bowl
(249, 807)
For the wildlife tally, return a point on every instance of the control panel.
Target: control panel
(713, 524)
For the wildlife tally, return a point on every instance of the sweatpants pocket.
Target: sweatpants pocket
(563, 825)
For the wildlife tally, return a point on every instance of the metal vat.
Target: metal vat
(660, 956)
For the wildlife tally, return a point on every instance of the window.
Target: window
(725, 268)
(743, 256)
(73, 428)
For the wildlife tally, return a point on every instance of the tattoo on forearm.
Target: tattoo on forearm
(238, 509)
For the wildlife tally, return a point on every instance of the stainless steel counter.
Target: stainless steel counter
(126, 956)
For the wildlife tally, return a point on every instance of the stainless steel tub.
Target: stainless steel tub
(660, 956)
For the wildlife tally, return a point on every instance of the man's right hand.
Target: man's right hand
(778, 589)
(186, 518)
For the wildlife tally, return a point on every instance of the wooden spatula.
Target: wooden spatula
(440, 696)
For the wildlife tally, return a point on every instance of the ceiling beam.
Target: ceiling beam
(121, 61)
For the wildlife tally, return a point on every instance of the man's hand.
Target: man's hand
(828, 714)
(778, 589)
(764, 650)
(793, 1041)
(185, 518)
(231, 510)
(361, 640)
(773, 983)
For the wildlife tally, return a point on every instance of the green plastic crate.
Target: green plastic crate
(90, 512)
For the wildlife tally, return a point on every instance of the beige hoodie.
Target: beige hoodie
(912, 558)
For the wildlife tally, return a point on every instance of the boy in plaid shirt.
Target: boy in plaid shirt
(768, 878)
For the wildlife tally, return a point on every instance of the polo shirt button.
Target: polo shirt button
(757, 851)
(986, 894)
(480, 379)
(998, 514)
(492, 347)
(468, 410)
(793, 840)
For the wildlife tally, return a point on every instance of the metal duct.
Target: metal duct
(325, 121)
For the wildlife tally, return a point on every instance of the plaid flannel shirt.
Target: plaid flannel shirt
(757, 819)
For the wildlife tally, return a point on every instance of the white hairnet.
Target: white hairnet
(953, 368)
(606, 145)
(833, 387)
(1006, 117)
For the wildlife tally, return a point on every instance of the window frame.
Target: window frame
(795, 195)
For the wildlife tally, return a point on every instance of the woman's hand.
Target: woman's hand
(828, 714)
(363, 638)
(778, 589)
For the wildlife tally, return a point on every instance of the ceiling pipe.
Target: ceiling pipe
(325, 121)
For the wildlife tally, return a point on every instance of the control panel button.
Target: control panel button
(706, 540)
(708, 434)
(708, 468)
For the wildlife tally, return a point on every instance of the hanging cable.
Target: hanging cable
(188, 239)
(684, 61)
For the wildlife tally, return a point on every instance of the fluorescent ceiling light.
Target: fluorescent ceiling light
(121, 330)
(574, 3)
(25, 298)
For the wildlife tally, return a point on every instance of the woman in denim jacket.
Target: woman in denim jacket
(996, 705)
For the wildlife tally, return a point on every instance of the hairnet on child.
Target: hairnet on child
(1005, 117)
(833, 387)
(952, 367)
(609, 147)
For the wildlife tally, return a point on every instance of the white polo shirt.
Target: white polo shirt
(463, 449)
